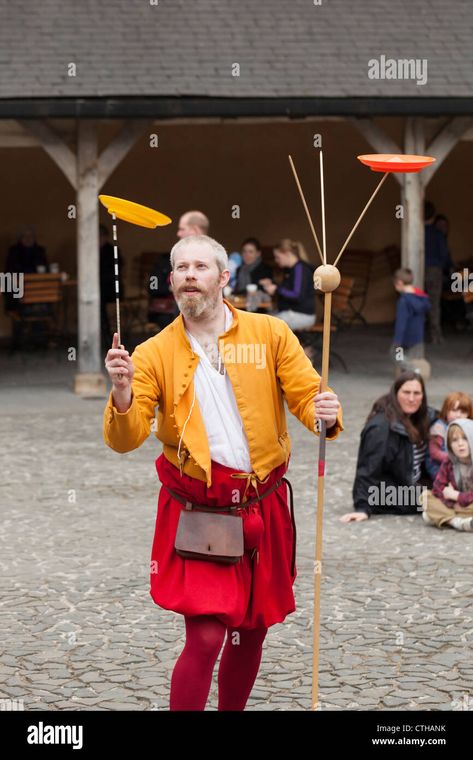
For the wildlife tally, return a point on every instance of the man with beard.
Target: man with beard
(162, 308)
(230, 448)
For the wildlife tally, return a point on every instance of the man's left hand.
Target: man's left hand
(326, 407)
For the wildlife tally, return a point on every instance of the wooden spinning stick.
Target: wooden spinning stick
(306, 209)
(117, 279)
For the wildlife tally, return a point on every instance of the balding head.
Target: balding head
(192, 223)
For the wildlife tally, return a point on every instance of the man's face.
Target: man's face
(196, 281)
(184, 229)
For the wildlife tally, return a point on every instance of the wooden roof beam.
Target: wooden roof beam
(444, 142)
(54, 146)
(116, 151)
(376, 137)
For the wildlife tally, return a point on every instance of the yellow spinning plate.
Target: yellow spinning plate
(134, 213)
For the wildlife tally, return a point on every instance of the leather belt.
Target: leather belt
(234, 507)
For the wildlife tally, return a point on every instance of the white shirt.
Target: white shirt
(228, 443)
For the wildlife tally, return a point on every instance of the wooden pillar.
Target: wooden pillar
(412, 199)
(87, 172)
(89, 381)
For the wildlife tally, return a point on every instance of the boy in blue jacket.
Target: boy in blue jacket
(412, 308)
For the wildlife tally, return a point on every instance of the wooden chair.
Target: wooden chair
(341, 318)
(357, 264)
(40, 291)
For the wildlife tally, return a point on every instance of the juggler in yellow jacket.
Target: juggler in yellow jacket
(265, 363)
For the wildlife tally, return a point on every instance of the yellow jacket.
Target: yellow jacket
(265, 363)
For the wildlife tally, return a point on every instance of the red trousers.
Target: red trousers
(254, 593)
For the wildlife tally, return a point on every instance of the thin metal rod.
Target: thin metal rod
(306, 208)
(322, 197)
(360, 218)
(117, 280)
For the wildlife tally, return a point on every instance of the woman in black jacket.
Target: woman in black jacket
(390, 471)
(253, 268)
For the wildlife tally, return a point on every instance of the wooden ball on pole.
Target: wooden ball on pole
(326, 278)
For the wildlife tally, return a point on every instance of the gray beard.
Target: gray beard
(194, 307)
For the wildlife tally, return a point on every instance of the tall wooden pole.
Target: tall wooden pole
(326, 283)
(320, 507)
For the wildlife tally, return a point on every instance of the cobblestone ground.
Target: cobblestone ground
(80, 631)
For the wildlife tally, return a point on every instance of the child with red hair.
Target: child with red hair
(457, 405)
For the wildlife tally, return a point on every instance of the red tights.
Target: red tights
(239, 664)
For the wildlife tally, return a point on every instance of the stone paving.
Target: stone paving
(79, 630)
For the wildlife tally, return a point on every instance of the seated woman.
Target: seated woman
(253, 268)
(295, 294)
(390, 471)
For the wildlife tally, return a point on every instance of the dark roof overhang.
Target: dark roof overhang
(220, 107)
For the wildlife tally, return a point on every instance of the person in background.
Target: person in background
(193, 223)
(391, 456)
(452, 309)
(253, 269)
(234, 263)
(451, 500)
(107, 281)
(443, 225)
(25, 256)
(295, 294)
(161, 309)
(457, 405)
(161, 300)
(436, 262)
(411, 310)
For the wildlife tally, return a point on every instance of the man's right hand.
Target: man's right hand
(121, 370)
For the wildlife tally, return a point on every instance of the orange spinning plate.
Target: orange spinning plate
(395, 162)
(134, 213)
